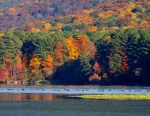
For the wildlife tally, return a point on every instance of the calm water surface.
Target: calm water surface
(58, 105)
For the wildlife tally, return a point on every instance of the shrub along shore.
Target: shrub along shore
(114, 96)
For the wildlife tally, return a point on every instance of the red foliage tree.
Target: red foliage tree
(58, 54)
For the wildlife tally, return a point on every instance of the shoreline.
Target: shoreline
(85, 90)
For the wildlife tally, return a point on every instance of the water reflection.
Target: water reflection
(56, 105)
(29, 97)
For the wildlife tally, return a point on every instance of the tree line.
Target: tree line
(118, 57)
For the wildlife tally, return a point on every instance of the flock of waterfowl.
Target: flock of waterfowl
(73, 90)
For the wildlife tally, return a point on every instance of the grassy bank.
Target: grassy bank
(115, 96)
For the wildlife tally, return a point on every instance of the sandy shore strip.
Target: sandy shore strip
(75, 90)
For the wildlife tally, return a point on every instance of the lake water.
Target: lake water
(57, 105)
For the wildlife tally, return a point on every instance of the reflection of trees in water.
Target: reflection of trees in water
(26, 97)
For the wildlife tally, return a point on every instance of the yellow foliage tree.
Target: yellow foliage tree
(143, 22)
(47, 26)
(115, 28)
(125, 27)
(72, 48)
(108, 38)
(133, 15)
(106, 14)
(128, 10)
(35, 30)
(102, 16)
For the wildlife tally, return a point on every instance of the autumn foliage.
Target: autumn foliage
(75, 41)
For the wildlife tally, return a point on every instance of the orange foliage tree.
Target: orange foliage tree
(85, 44)
(95, 77)
(47, 65)
(1, 35)
(2, 74)
(92, 28)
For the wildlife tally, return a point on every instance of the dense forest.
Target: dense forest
(75, 42)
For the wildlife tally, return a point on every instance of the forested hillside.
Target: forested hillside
(32, 15)
(75, 42)
(16, 13)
